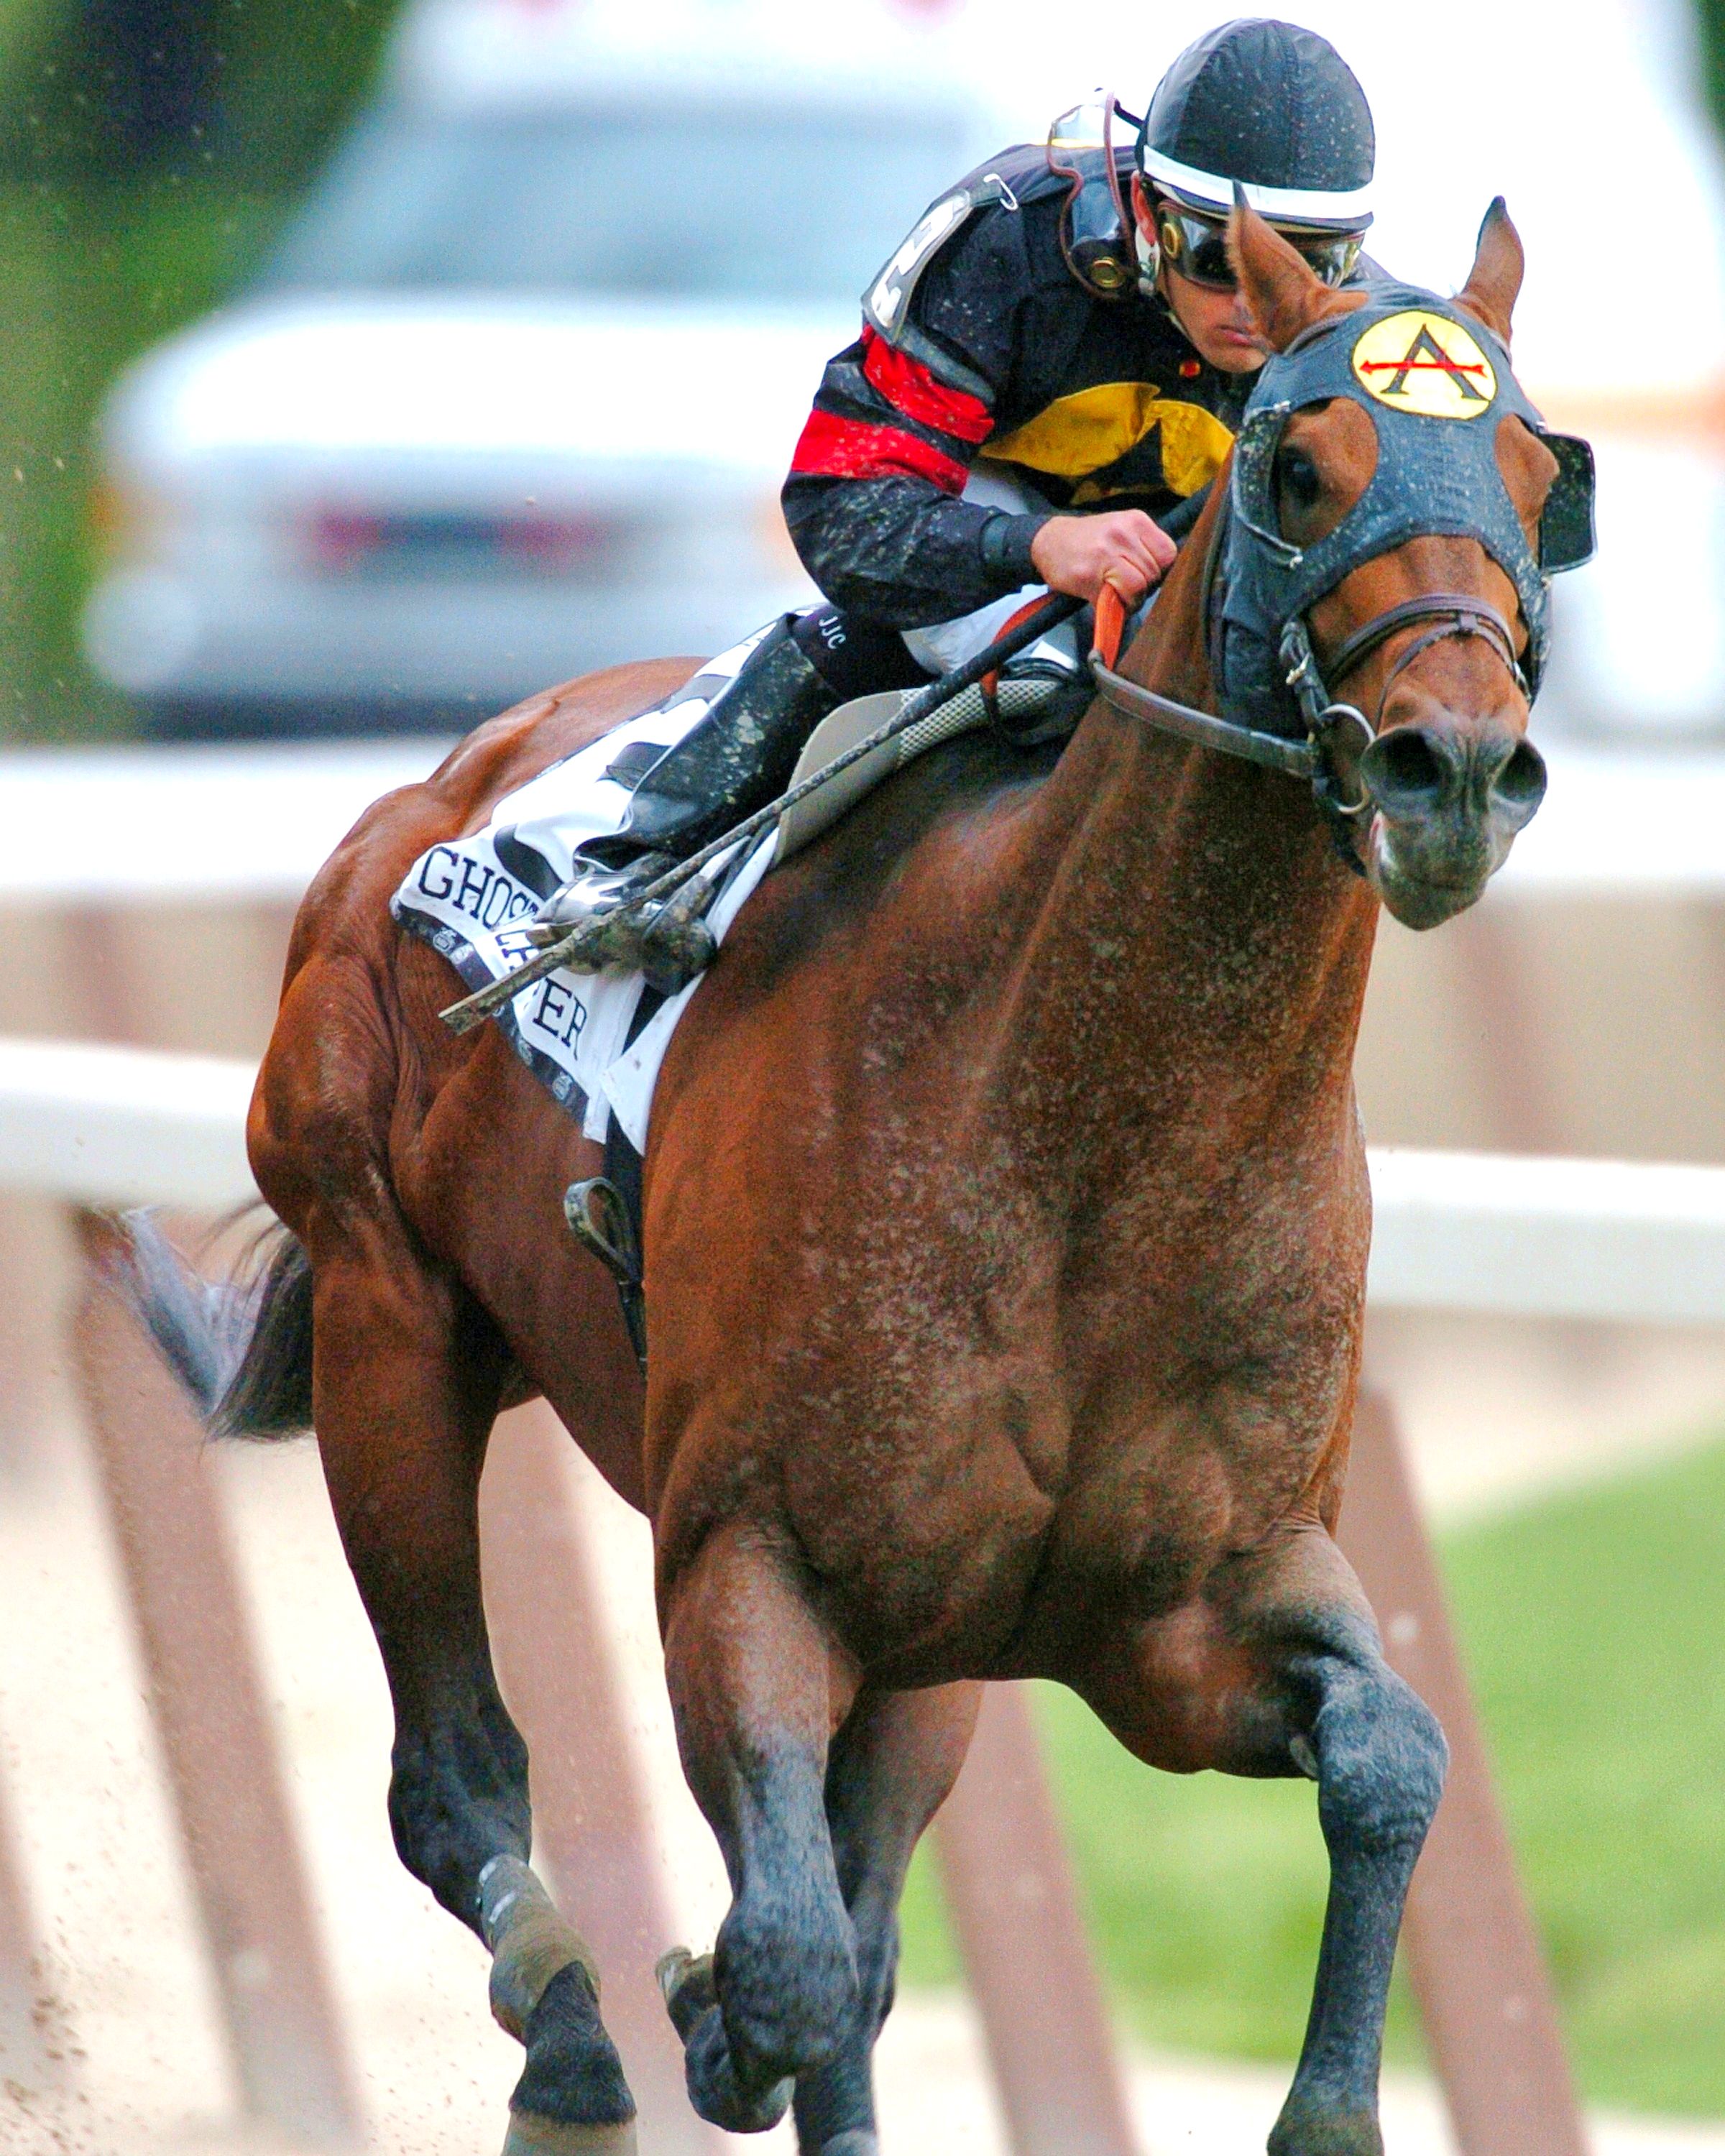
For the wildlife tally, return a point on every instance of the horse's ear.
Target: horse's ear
(1285, 294)
(1495, 280)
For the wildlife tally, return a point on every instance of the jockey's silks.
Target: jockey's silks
(979, 343)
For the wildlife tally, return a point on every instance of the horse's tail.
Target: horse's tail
(242, 1347)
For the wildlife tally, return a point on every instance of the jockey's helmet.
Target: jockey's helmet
(1276, 108)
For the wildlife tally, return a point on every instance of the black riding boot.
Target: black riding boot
(733, 761)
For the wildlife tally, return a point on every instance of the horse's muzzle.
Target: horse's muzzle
(1448, 796)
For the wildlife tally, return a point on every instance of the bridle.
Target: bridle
(1336, 734)
(1327, 722)
(1435, 474)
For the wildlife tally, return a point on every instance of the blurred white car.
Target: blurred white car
(516, 396)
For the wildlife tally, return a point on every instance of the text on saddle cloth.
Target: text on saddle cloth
(588, 1038)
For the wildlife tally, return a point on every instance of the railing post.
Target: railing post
(1014, 1908)
(1473, 1956)
(208, 1702)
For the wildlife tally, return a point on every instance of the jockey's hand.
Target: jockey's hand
(1125, 547)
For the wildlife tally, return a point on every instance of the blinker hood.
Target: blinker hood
(1434, 384)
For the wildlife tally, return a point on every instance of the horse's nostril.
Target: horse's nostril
(1520, 784)
(1405, 770)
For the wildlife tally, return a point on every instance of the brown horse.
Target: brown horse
(1006, 1220)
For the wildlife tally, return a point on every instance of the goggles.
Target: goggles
(1196, 248)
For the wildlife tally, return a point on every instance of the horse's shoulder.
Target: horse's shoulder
(942, 822)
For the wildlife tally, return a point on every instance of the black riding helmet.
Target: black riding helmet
(1266, 103)
(1273, 106)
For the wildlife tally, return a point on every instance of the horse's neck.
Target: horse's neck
(1198, 943)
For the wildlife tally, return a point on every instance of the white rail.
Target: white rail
(124, 1126)
(97, 826)
(1543, 1238)
(1525, 1238)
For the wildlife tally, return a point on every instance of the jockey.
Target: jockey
(1039, 386)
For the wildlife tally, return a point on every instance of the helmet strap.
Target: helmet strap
(1148, 251)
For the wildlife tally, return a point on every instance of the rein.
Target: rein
(1296, 759)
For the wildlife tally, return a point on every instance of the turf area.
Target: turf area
(1595, 1627)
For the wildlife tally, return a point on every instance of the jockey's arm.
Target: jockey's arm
(872, 501)
(873, 497)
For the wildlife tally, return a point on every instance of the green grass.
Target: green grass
(1595, 1626)
(95, 271)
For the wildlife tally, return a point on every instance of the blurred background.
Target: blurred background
(365, 366)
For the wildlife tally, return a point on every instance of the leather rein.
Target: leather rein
(1322, 759)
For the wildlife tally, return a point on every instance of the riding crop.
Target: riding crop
(461, 1017)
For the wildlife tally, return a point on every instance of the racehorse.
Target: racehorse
(1005, 1230)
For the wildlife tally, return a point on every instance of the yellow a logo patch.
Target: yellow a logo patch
(1424, 363)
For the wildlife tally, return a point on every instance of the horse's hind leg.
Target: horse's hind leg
(406, 1372)
(756, 1690)
(891, 1768)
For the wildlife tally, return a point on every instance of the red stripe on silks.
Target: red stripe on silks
(908, 387)
(831, 447)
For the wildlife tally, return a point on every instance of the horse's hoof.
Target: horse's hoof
(530, 2135)
(1311, 2129)
(687, 1987)
(573, 2078)
(718, 2095)
(859, 2141)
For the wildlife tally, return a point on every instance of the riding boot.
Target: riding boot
(734, 759)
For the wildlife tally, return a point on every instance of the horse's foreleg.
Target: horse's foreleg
(406, 1377)
(1280, 1672)
(756, 1695)
(891, 1768)
(1377, 1756)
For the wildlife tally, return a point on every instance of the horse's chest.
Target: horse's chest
(989, 1520)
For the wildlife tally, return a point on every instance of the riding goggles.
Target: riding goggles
(1196, 248)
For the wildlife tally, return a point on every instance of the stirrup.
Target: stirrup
(669, 942)
(593, 896)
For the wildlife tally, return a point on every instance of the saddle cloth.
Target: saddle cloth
(596, 1041)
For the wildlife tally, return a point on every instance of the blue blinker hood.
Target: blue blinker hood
(1435, 383)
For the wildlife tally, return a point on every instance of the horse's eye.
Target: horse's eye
(1297, 477)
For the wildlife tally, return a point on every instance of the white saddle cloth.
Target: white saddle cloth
(472, 898)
